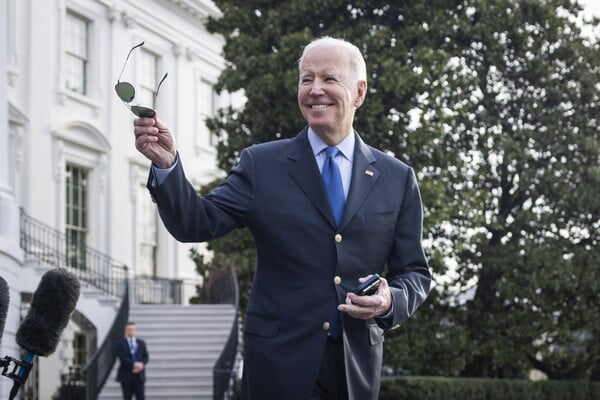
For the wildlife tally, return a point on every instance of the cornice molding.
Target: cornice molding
(201, 9)
(16, 116)
(83, 134)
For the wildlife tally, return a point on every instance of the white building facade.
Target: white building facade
(67, 154)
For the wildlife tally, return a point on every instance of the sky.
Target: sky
(593, 6)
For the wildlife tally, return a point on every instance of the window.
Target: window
(205, 109)
(76, 212)
(16, 127)
(147, 228)
(80, 350)
(76, 57)
(11, 156)
(148, 80)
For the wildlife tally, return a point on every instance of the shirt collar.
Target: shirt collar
(346, 146)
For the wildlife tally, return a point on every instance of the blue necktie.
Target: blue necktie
(335, 191)
(333, 183)
(132, 349)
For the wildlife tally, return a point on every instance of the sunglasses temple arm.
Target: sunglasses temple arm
(126, 59)
(126, 105)
(160, 83)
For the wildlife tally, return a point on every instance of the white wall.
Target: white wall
(10, 254)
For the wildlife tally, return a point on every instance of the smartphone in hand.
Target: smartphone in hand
(368, 287)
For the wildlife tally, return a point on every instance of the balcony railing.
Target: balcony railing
(52, 248)
(152, 290)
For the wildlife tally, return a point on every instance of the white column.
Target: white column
(9, 212)
(5, 190)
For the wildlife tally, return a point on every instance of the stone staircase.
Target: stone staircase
(184, 343)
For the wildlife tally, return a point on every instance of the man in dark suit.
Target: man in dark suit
(133, 355)
(326, 211)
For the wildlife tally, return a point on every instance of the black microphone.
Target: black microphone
(53, 302)
(4, 300)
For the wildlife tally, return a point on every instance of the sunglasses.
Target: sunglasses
(126, 92)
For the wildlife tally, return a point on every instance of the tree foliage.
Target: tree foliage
(496, 106)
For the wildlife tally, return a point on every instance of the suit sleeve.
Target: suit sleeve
(144, 358)
(408, 275)
(124, 355)
(192, 218)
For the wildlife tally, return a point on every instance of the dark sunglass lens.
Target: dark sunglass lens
(125, 91)
(142, 112)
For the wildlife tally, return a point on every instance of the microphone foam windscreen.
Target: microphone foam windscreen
(4, 301)
(53, 302)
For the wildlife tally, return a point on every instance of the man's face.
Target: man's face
(130, 331)
(328, 94)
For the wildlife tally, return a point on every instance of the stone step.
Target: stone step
(185, 356)
(184, 335)
(210, 309)
(163, 393)
(184, 347)
(183, 393)
(176, 327)
(186, 341)
(159, 321)
(176, 371)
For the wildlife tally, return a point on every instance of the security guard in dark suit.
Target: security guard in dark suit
(133, 356)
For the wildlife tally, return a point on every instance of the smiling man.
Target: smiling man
(326, 212)
(333, 85)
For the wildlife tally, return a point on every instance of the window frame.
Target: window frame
(81, 230)
(81, 144)
(140, 199)
(95, 17)
(68, 54)
(147, 87)
(204, 137)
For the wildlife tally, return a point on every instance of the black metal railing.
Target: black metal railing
(85, 383)
(151, 290)
(53, 248)
(97, 370)
(72, 385)
(223, 370)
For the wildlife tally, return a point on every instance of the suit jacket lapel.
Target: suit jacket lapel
(305, 172)
(364, 176)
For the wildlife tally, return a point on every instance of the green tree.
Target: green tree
(533, 127)
(495, 105)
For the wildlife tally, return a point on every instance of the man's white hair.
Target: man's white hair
(357, 61)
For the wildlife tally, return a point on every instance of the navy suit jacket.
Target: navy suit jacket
(276, 191)
(124, 374)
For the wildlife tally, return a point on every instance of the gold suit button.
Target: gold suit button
(337, 280)
(325, 326)
(338, 238)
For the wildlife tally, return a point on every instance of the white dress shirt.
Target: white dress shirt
(343, 159)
